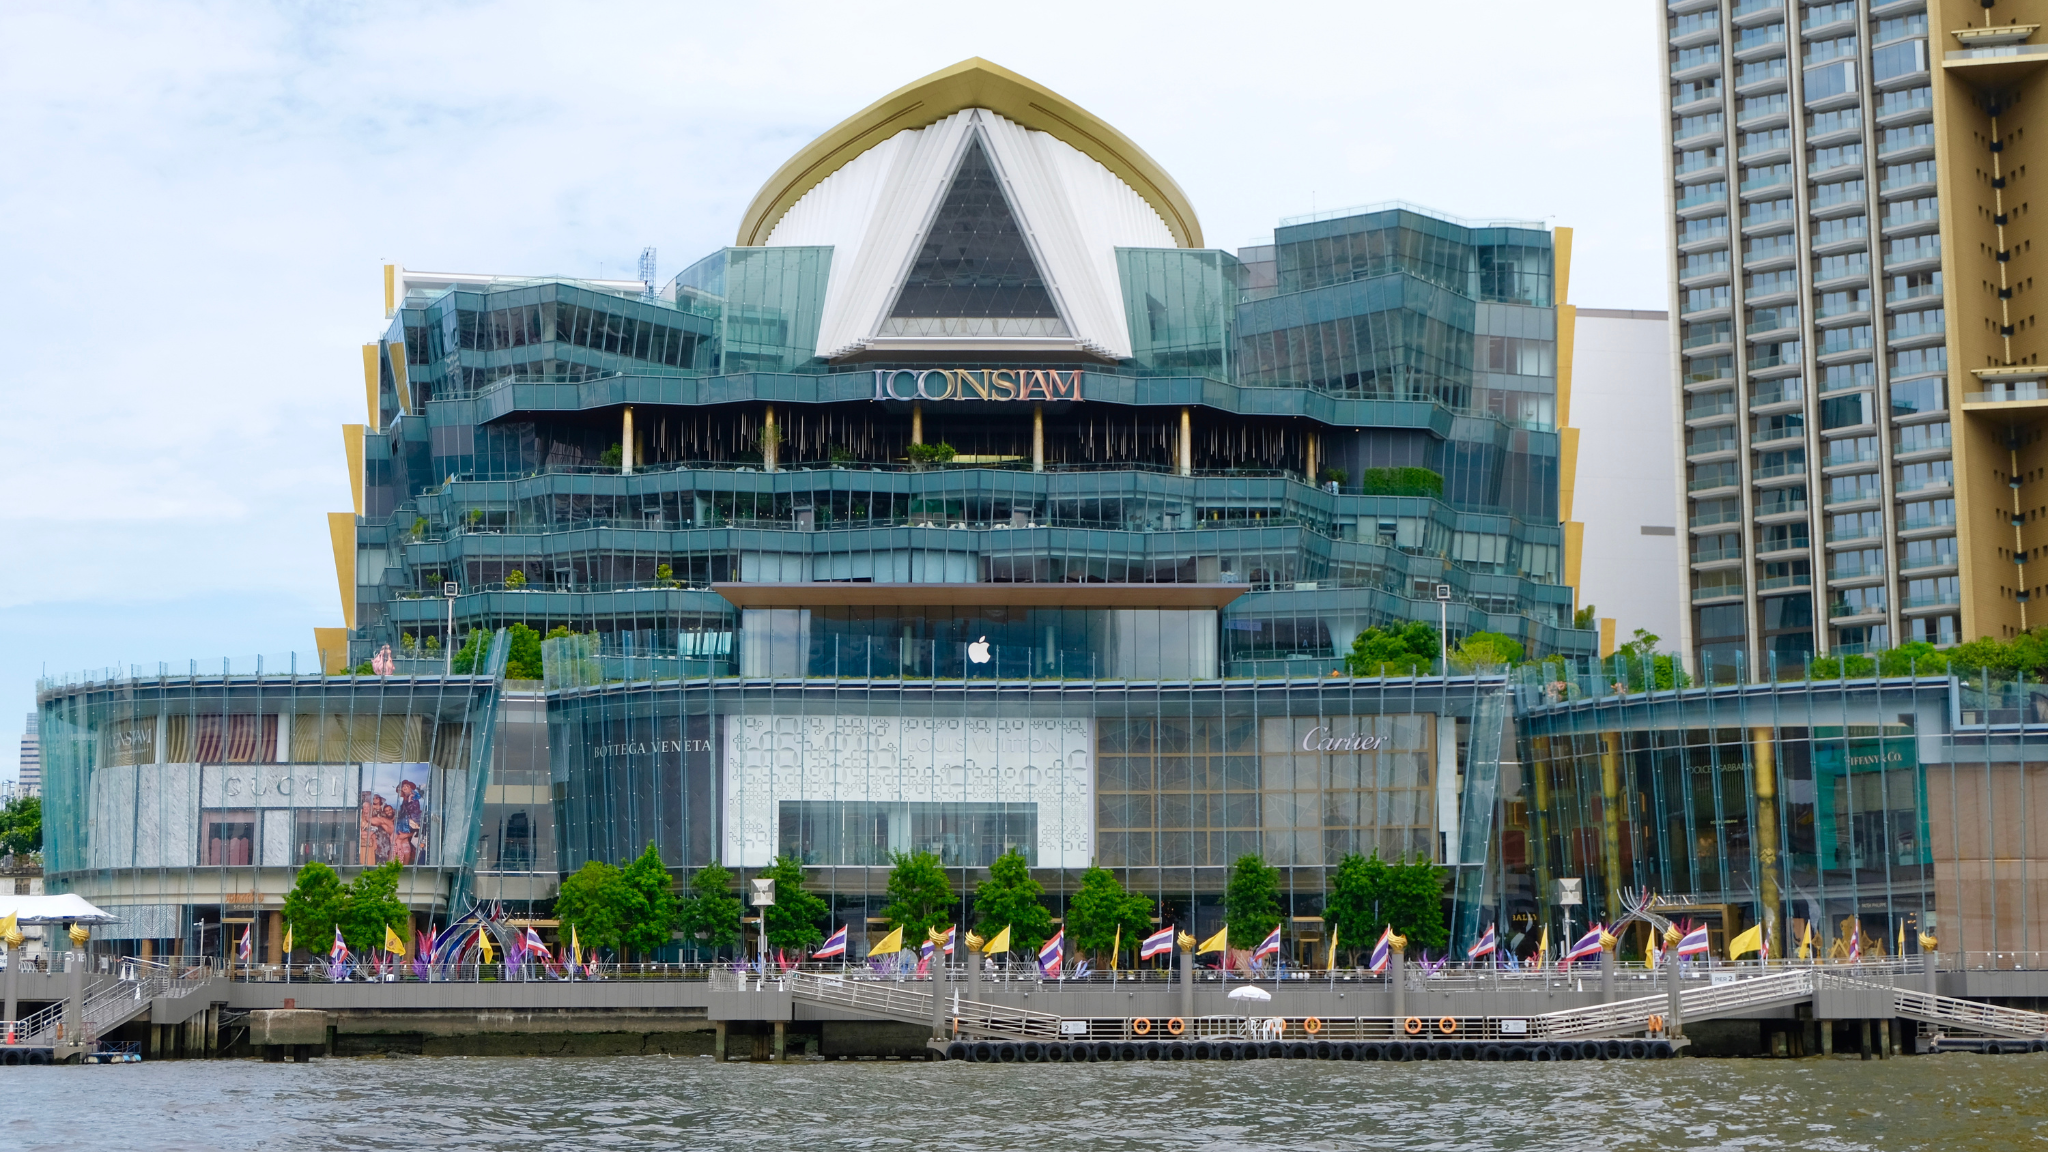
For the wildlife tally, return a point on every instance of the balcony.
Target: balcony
(1860, 532)
(1689, 61)
(2009, 386)
(1777, 176)
(1778, 471)
(1917, 603)
(1755, 40)
(1773, 435)
(1857, 495)
(1703, 195)
(1797, 580)
(1859, 454)
(1723, 404)
(1902, 142)
(1716, 555)
(1763, 108)
(1908, 214)
(1708, 520)
(1756, 75)
(1705, 445)
(1925, 523)
(1776, 392)
(1899, 105)
(1771, 356)
(1697, 28)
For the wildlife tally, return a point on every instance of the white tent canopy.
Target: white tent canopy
(60, 909)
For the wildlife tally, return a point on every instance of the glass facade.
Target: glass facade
(1887, 806)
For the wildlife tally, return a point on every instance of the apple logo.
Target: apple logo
(978, 651)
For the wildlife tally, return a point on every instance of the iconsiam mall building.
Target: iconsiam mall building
(970, 503)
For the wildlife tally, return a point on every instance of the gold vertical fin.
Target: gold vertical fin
(397, 352)
(352, 447)
(341, 530)
(370, 386)
(390, 291)
(332, 645)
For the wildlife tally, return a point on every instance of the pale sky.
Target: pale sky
(198, 199)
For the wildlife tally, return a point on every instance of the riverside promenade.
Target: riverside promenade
(1782, 1009)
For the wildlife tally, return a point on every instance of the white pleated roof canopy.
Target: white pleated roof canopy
(65, 908)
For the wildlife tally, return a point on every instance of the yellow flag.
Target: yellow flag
(1902, 939)
(1747, 942)
(575, 952)
(287, 938)
(392, 943)
(1116, 947)
(998, 943)
(891, 943)
(483, 941)
(1332, 961)
(1543, 945)
(1216, 943)
(7, 925)
(1806, 944)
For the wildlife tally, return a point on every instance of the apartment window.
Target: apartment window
(1770, 283)
(1847, 264)
(1831, 80)
(1847, 411)
(1927, 474)
(1701, 335)
(1837, 377)
(1929, 593)
(1912, 286)
(1856, 563)
(1791, 498)
(1856, 526)
(1771, 319)
(1913, 396)
(1773, 464)
(1690, 126)
(1935, 629)
(1779, 537)
(1703, 264)
(1927, 514)
(1923, 437)
(1821, 51)
(1856, 601)
(1895, 60)
(1939, 552)
(1705, 299)
(1517, 355)
(1914, 24)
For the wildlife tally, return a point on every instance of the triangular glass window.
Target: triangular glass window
(974, 266)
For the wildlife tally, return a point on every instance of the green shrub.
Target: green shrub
(1401, 482)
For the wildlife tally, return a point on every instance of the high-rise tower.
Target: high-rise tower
(1850, 240)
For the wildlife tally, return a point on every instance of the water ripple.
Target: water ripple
(1952, 1102)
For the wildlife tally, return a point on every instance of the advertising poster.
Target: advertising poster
(393, 814)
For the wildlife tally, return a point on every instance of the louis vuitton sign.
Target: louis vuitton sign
(1039, 384)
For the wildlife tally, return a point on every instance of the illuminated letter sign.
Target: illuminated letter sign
(1042, 384)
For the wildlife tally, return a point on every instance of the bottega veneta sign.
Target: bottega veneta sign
(1042, 384)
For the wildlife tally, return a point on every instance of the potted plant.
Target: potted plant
(923, 456)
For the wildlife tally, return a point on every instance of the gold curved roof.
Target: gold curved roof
(972, 83)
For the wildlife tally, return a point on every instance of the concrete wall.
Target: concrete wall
(1627, 471)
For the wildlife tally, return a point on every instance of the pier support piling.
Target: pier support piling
(1827, 1038)
(781, 1041)
(1397, 972)
(1187, 985)
(718, 1041)
(1864, 1034)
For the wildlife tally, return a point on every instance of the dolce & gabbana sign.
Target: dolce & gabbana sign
(1042, 384)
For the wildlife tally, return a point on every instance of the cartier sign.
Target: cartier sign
(1041, 384)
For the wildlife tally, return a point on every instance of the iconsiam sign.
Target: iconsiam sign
(1029, 384)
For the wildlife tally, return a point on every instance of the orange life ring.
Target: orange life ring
(1447, 1026)
(1312, 1025)
(1413, 1026)
(1142, 1026)
(1176, 1026)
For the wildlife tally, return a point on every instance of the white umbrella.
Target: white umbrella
(1248, 992)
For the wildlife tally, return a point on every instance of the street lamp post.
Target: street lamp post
(1443, 630)
(448, 590)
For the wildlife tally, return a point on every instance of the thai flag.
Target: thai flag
(924, 957)
(1050, 955)
(1157, 943)
(1695, 942)
(1587, 945)
(1383, 952)
(1487, 946)
(835, 945)
(534, 946)
(949, 939)
(1270, 946)
(247, 946)
(339, 952)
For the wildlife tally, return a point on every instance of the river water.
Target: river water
(1952, 1101)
